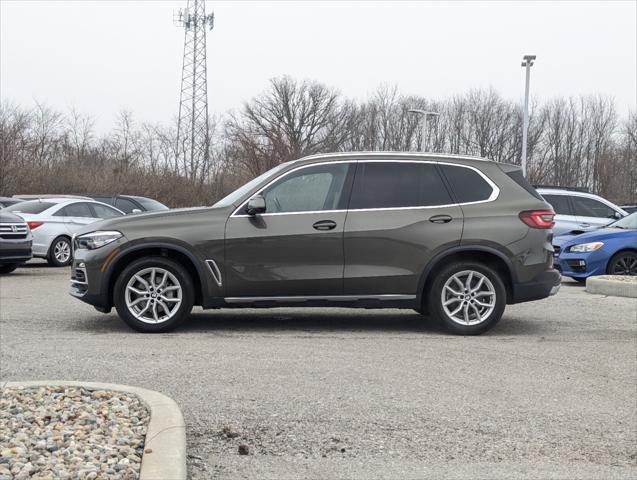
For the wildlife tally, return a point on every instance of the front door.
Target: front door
(592, 213)
(295, 248)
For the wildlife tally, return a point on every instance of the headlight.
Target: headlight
(98, 239)
(587, 247)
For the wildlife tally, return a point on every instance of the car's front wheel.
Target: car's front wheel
(8, 268)
(60, 252)
(154, 294)
(468, 297)
(623, 263)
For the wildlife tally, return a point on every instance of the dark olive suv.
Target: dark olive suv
(453, 237)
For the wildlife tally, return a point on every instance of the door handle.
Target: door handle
(324, 225)
(440, 219)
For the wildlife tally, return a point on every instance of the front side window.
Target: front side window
(77, 210)
(559, 203)
(396, 185)
(125, 205)
(587, 207)
(310, 189)
(467, 184)
(102, 211)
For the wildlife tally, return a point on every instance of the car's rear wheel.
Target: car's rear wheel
(468, 297)
(623, 263)
(8, 268)
(154, 294)
(60, 252)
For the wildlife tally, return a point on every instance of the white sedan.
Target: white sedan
(53, 221)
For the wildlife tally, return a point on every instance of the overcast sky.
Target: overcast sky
(102, 56)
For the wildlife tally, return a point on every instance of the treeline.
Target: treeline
(577, 141)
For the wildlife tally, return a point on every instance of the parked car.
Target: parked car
(129, 203)
(455, 237)
(8, 201)
(629, 208)
(53, 222)
(15, 242)
(579, 211)
(610, 250)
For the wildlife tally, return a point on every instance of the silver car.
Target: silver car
(579, 210)
(53, 221)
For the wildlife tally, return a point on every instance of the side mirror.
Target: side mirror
(256, 205)
(618, 216)
(136, 210)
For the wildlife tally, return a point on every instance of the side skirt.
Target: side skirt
(341, 301)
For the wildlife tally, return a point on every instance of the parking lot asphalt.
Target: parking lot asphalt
(550, 392)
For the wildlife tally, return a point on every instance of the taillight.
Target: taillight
(538, 218)
(34, 225)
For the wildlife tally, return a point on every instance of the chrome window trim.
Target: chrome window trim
(214, 270)
(331, 298)
(495, 190)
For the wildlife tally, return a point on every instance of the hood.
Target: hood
(153, 223)
(594, 236)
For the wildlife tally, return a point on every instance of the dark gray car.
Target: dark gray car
(15, 242)
(453, 237)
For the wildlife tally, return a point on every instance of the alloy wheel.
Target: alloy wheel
(468, 297)
(625, 265)
(153, 295)
(62, 251)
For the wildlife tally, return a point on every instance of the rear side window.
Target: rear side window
(559, 203)
(33, 206)
(467, 184)
(518, 177)
(397, 184)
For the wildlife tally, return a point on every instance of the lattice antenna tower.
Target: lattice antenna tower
(193, 134)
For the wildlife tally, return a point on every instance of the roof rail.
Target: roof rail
(557, 187)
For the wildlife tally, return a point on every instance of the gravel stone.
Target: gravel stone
(71, 432)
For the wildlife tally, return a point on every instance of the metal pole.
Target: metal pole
(424, 133)
(525, 124)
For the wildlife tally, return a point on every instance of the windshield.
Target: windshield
(629, 222)
(234, 197)
(34, 206)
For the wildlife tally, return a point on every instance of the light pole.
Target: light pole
(527, 63)
(424, 114)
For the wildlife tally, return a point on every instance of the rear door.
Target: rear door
(77, 215)
(565, 219)
(400, 215)
(295, 248)
(591, 212)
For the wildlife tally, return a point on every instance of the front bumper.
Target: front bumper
(15, 251)
(544, 285)
(581, 264)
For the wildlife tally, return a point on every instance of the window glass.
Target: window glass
(467, 184)
(587, 207)
(102, 211)
(80, 209)
(518, 177)
(235, 196)
(33, 206)
(559, 203)
(125, 205)
(151, 205)
(108, 200)
(397, 184)
(308, 189)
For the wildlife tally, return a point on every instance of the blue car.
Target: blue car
(611, 250)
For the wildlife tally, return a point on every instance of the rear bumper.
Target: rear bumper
(543, 285)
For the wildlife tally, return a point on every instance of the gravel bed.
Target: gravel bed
(70, 433)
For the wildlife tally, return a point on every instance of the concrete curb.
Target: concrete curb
(615, 285)
(166, 435)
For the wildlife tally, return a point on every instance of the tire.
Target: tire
(8, 268)
(144, 307)
(486, 282)
(624, 262)
(60, 252)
